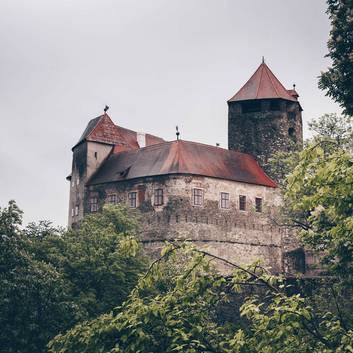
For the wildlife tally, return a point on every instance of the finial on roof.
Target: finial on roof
(177, 132)
(294, 86)
(263, 59)
(106, 108)
(217, 144)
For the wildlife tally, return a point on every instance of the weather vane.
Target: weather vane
(106, 108)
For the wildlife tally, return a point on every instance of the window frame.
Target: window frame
(109, 199)
(258, 206)
(224, 202)
(199, 197)
(130, 199)
(93, 204)
(158, 197)
(242, 202)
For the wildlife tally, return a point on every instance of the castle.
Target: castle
(222, 200)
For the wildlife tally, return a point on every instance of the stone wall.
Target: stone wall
(239, 236)
(275, 126)
(86, 159)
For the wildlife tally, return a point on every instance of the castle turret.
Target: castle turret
(264, 118)
(94, 146)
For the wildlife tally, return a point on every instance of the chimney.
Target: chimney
(141, 139)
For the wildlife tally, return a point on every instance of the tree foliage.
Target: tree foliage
(51, 279)
(337, 80)
(176, 311)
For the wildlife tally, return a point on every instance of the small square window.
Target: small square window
(93, 204)
(242, 203)
(112, 198)
(258, 204)
(224, 200)
(158, 197)
(132, 199)
(197, 197)
(76, 210)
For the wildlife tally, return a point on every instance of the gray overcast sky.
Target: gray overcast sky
(156, 63)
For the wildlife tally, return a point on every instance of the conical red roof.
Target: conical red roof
(263, 84)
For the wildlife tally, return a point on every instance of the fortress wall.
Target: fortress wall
(239, 236)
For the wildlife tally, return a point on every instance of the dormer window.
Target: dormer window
(197, 197)
(158, 197)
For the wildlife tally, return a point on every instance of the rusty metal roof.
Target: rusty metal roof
(102, 129)
(263, 84)
(181, 157)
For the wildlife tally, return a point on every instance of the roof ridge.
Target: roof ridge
(285, 89)
(215, 147)
(146, 147)
(270, 78)
(136, 132)
(258, 87)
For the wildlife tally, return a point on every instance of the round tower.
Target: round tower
(264, 118)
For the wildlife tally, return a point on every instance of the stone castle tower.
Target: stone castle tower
(264, 118)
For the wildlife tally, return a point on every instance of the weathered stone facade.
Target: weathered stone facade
(86, 159)
(239, 236)
(264, 127)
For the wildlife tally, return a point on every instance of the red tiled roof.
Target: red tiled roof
(181, 157)
(102, 129)
(263, 84)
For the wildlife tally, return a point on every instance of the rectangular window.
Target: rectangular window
(93, 204)
(197, 197)
(224, 200)
(258, 204)
(242, 203)
(78, 180)
(112, 198)
(158, 197)
(72, 212)
(132, 197)
(76, 211)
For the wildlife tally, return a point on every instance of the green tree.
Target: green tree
(101, 260)
(174, 308)
(337, 80)
(33, 294)
(51, 279)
